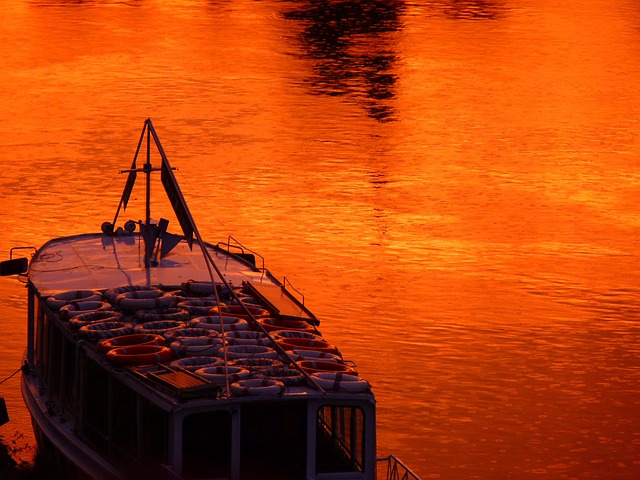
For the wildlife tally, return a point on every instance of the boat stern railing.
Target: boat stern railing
(395, 469)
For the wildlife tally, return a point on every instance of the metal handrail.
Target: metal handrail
(242, 248)
(396, 470)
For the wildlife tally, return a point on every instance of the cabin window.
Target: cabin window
(54, 360)
(153, 428)
(69, 385)
(339, 439)
(95, 404)
(273, 440)
(206, 445)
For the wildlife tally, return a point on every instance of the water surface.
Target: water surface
(453, 185)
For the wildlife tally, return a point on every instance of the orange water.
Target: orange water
(453, 185)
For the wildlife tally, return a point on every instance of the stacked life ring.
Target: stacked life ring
(112, 294)
(318, 345)
(159, 326)
(220, 324)
(311, 367)
(56, 302)
(130, 340)
(154, 314)
(196, 346)
(239, 311)
(257, 386)
(139, 355)
(144, 299)
(270, 324)
(78, 308)
(196, 363)
(218, 375)
(246, 337)
(83, 319)
(235, 352)
(106, 329)
(340, 382)
(288, 376)
(198, 306)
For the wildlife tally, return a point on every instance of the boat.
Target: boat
(156, 355)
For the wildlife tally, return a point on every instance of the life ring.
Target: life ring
(301, 354)
(199, 289)
(249, 351)
(247, 337)
(198, 306)
(256, 365)
(196, 346)
(78, 308)
(311, 367)
(270, 324)
(181, 333)
(257, 386)
(341, 382)
(240, 312)
(83, 319)
(296, 334)
(218, 375)
(288, 376)
(153, 314)
(56, 302)
(105, 329)
(160, 326)
(319, 345)
(229, 324)
(196, 363)
(144, 299)
(138, 355)
(129, 340)
(112, 294)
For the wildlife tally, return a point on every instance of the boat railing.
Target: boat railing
(243, 252)
(396, 470)
(286, 282)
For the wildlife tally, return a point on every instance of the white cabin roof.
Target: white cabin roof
(98, 262)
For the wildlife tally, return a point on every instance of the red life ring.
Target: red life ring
(139, 355)
(129, 340)
(302, 354)
(341, 382)
(258, 387)
(308, 344)
(311, 366)
(283, 334)
(270, 324)
(240, 312)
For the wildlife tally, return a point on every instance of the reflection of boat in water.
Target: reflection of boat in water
(156, 355)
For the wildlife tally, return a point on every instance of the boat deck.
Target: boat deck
(100, 262)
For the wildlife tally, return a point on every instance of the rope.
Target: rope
(14, 373)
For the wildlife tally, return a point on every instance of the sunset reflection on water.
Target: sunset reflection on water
(453, 185)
